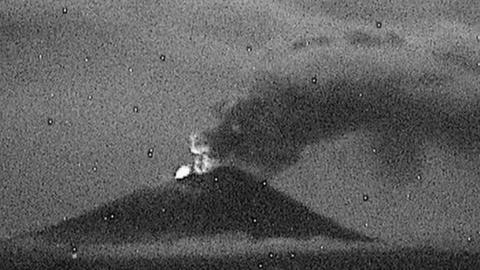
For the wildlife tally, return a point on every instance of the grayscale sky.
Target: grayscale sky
(86, 94)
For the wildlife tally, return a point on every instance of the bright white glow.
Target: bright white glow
(183, 172)
(197, 146)
(203, 162)
(202, 159)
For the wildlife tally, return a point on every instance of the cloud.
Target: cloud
(269, 128)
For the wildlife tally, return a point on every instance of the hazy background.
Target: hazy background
(90, 69)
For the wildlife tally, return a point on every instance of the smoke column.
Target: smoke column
(270, 127)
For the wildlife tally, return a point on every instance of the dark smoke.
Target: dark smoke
(270, 128)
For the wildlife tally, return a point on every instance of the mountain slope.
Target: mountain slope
(226, 200)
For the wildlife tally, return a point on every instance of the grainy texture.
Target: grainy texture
(328, 101)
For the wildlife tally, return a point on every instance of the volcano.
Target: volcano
(226, 200)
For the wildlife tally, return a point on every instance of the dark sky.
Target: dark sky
(333, 102)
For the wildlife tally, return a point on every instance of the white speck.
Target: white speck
(374, 150)
(40, 56)
(74, 256)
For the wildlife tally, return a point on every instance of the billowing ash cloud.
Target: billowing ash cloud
(270, 127)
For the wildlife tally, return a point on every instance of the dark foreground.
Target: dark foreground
(150, 229)
(400, 259)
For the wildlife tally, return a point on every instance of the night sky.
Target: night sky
(368, 114)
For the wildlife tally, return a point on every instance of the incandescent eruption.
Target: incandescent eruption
(204, 160)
